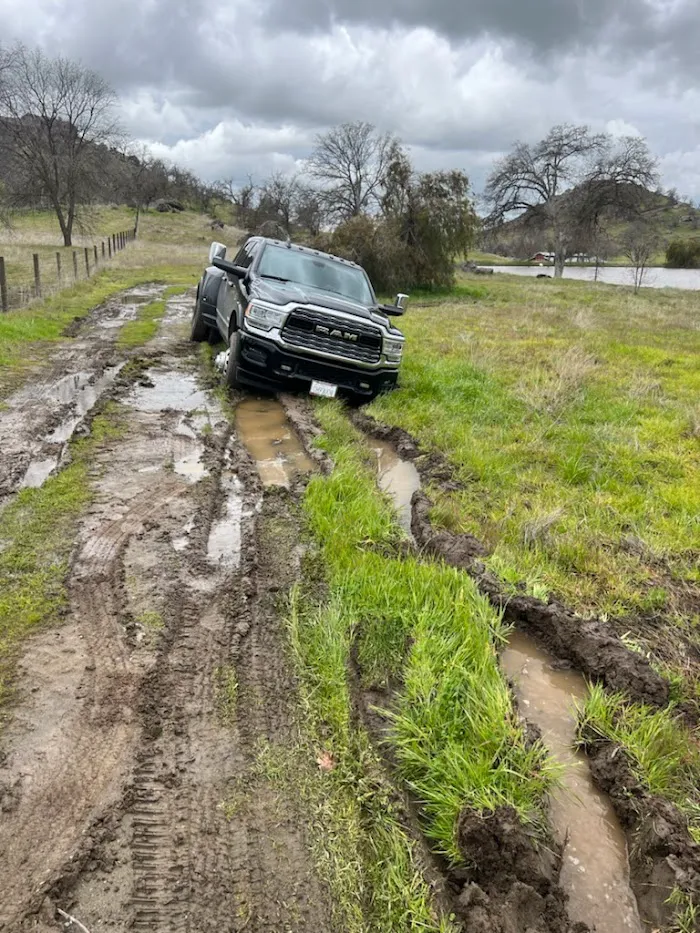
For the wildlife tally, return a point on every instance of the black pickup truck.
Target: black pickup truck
(296, 318)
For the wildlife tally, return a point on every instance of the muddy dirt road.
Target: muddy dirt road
(132, 792)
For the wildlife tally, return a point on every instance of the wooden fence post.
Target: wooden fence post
(58, 268)
(4, 304)
(114, 242)
(37, 276)
(95, 247)
(109, 247)
(103, 249)
(87, 262)
(75, 265)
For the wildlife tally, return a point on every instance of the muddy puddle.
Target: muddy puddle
(172, 391)
(224, 544)
(264, 428)
(595, 872)
(78, 394)
(397, 477)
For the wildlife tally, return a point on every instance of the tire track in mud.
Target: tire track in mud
(137, 801)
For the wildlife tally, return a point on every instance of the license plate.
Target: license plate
(325, 389)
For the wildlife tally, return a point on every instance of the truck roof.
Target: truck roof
(304, 249)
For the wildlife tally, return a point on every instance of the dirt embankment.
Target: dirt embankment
(131, 786)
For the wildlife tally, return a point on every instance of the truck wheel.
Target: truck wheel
(231, 370)
(200, 329)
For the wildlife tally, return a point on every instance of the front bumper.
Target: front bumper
(265, 364)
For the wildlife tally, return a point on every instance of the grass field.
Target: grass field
(571, 415)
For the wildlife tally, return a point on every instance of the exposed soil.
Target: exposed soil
(590, 645)
(663, 855)
(130, 788)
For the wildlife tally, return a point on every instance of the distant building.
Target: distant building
(542, 257)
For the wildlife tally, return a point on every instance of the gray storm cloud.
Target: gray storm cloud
(237, 86)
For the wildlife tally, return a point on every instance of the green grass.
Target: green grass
(37, 532)
(663, 751)
(454, 733)
(570, 414)
(143, 328)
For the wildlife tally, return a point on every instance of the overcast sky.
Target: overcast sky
(231, 87)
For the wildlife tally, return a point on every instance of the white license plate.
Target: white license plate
(325, 389)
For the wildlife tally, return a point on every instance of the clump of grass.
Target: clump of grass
(663, 752)
(227, 693)
(144, 326)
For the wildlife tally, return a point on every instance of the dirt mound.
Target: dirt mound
(663, 855)
(511, 885)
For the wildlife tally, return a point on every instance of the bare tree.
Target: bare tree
(351, 161)
(278, 195)
(639, 245)
(308, 209)
(57, 118)
(563, 184)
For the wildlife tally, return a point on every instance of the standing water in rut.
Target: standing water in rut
(263, 427)
(595, 871)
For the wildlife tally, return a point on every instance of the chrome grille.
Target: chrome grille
(314, 331)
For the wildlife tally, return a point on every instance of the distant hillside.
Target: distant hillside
(672, 219)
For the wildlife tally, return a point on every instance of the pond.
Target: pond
(656, 277)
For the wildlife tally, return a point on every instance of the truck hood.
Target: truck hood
(282, 293)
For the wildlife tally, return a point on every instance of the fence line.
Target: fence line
(19, 295)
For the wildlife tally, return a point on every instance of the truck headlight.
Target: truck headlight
(264, 316)
(392, 349)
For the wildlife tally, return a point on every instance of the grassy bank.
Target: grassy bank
(571, 416)
(452, 730)
(663, 752)
(37, 533)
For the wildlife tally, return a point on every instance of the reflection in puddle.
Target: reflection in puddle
(397, 477)
(263, 427)
(38, 472)
(82, 394)
(170, 390)
(182, 542)
(595, 873)
(191, 466)
(224, 545)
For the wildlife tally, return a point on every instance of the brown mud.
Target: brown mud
(510, 882)
(38, 420)
(130, 786)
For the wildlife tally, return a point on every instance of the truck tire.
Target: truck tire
(200, 329)
(231, 370)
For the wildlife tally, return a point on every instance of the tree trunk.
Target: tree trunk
(136, 221)
(559, 258)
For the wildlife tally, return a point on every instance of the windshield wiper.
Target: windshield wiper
(277, 278)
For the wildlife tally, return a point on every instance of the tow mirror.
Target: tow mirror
(239, 271)
(397, 309)
(217, 251)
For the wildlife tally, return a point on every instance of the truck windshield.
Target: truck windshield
(290, 265)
